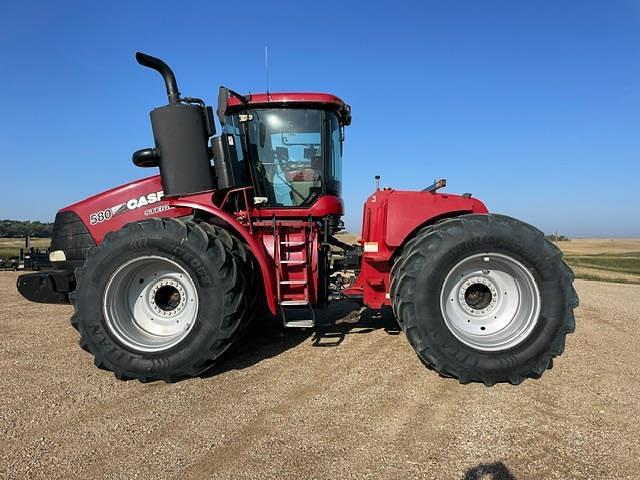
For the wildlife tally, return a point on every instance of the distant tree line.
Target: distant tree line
(554, 237)
(18, 228)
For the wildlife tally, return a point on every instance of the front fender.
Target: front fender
(391, 218)
(396, 214)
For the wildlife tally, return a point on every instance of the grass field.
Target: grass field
(610, 260)
(10, 247)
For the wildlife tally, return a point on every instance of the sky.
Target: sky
(533, 106)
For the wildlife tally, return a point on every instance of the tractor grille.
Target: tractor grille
(71, 236)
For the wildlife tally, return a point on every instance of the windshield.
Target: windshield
(292, 152)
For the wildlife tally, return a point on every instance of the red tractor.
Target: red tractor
(165, 273)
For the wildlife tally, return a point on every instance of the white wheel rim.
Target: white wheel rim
(490, 301)
(150, 304)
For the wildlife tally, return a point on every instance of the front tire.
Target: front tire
(160, 299)
(484, 298)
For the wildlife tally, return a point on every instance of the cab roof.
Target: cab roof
(321, 100)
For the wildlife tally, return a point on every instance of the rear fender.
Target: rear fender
(202, 202)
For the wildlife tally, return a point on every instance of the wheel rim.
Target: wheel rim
(490, 301)
(150, 304)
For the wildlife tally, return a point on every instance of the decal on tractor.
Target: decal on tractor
(156, 210)
(132, 204)
(103, 215)
(145, 200)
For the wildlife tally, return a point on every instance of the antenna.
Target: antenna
(266, 69)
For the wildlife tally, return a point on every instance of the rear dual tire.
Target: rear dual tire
(162, 299)
(484, 298)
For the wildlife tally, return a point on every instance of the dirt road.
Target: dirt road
(351, 401)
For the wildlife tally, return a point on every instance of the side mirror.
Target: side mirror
(345, 113)
(223, 101)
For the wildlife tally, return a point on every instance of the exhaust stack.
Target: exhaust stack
(181, 131)
(167, 74)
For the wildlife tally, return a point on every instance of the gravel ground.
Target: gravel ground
(348, 401)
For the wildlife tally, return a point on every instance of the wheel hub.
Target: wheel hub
(478, 295)
(490, 301)
(150, 304)
(167, 298)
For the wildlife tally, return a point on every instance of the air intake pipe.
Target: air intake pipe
(181, 131)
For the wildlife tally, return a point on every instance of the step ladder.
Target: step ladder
(292, 276)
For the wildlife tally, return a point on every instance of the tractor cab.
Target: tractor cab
(288, 144)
